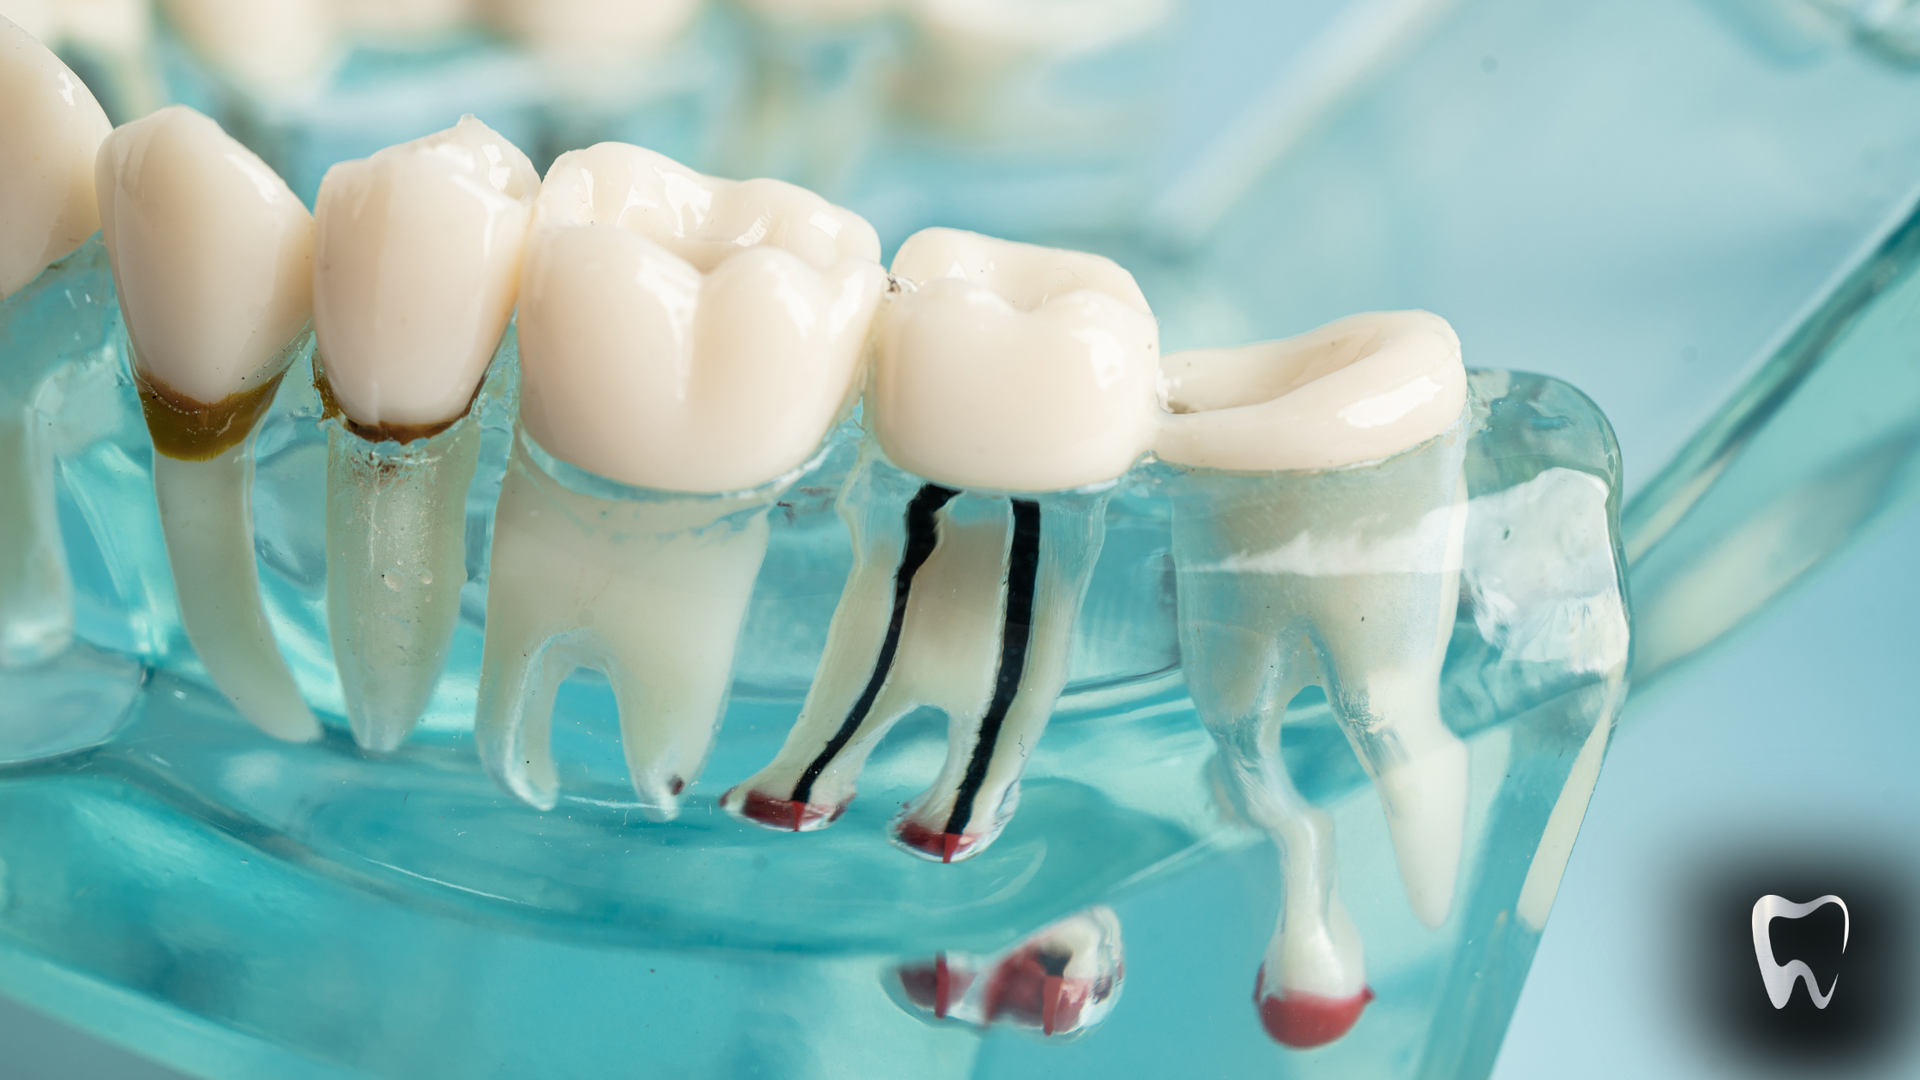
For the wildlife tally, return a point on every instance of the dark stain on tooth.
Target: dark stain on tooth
(923, 534)
(187, 429)
(384, 432)
(1016, 637)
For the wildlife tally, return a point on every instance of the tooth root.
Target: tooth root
(962, 602)
(1049, 556)
(651, 590)
(1061, 980)
(396, 561)
(36, 592)
(206, 513)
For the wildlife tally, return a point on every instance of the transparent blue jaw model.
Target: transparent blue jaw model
(236, 905)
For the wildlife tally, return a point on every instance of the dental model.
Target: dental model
(1060, 981)
(276, 47)
(1319, 515)
(598, 34)
(50, 131)
(1014, 383)
(213, 259)
(416, 268)
(686, 345)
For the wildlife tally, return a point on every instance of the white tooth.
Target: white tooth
(50, 132)
(592, 32)
(278, 46)
(417, 265)
(213, 259)
(694, 338)
(1007, 366)
(400, 18)
(1362, 563)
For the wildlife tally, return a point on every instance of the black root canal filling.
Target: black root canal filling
(923, 533)
(1016, 635)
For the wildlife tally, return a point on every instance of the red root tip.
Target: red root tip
(787, 814)
(944, 846)
(1302, 1020)
(1032, 991)
(936, 987)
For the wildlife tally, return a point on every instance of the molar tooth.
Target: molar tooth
(417, 265)
(50, 132)
(692, 338)
(1293, 570)
(212, 256)
(966, 601)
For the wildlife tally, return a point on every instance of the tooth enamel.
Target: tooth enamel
(966, 602)
(275, 46)
(417, 266)
(50, 132)
(697, 339)
(593, 32)
(212, 257)
(1343, 577)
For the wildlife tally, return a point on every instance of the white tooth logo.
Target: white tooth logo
(1781, 977)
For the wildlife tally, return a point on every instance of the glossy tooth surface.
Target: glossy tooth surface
(1006, 366)
(278, 46)
(1291, 575)
(417, 265)
(50, 132)
(694, 339)
(1014, 367)
(212, 258)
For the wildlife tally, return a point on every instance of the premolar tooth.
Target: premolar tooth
(212, 256)
(1294, 571)
(692, 338)
(50, 133)
(1008, 368)
(417, 265)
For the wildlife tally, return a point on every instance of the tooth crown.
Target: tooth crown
(50, 132)
(211, 253)
(417, 266)
(685, 333)
(1358, 389)
(1014, 367)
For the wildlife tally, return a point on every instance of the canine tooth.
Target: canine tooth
(50, 132)
(694, 338)
(417, 265)
(1008, 367)
(212, 256)
(1294, 571)
(1060, 980)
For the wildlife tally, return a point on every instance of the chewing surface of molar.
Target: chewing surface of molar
(50, 133)
(279, 46)
(1061, 980)
(417, 266)
(1345, 577)
(694, 340)
(212, 258)
(965, 600)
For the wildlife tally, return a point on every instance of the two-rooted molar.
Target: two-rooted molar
(50, 133)
(1005, 368)
(1334, 560)
(212, 257)
(686, 345)
(417, 266)
(1061, 980)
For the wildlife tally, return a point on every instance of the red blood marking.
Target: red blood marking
(787, 814)
(937, 986)
(946, 845)
(1303, 1020)
(677, 786)
(1024, 992)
